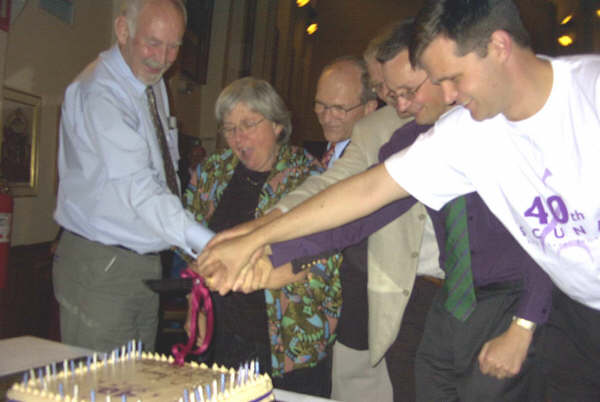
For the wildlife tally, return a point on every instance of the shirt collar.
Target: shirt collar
(340, 146)
(115, 57)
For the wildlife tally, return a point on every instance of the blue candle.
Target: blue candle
(197, 392)
(93, 396)
(25, 378)
(123, 398)
(61, 391)
(207, 392)
(186, 395)
(53, 369)
(72, 364)
(222, 382)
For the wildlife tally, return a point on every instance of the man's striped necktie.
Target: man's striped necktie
(459, 278)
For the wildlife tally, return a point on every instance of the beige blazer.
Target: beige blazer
(393, 251)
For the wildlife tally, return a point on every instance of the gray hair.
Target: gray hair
(397, 41)
(382, 36)
(131, 9)
(366, 94)
(260, 97)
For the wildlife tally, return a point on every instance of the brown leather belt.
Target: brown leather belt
(436, 281)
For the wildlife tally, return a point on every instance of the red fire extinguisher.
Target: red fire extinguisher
(6, 210)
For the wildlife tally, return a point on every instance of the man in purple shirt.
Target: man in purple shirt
(490, 355)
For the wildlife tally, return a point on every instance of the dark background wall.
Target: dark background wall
(346, 26)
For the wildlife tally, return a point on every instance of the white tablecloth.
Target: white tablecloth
(22, 353)
(287, 396)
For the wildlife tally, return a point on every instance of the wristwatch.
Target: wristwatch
(523, 323)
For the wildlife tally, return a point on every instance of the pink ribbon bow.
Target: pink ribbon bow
(200, 299)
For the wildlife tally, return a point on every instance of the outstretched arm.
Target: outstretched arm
(341, 203)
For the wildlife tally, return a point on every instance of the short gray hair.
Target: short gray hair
(375, 44)
(397, 41)
(130, 9)
(260, 97)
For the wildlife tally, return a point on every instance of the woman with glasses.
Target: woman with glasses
(290, 328)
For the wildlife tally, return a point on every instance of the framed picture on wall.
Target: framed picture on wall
(5, 14)
(196, 40)
(20, 138)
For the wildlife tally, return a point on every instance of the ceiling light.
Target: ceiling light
(565, 40)
(302, 3)
(566, 19)
(312, 28)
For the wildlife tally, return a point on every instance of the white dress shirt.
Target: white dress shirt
(112, 185)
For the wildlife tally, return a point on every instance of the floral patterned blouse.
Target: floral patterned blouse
(302, 316)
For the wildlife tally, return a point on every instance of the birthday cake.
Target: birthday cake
(133, 375)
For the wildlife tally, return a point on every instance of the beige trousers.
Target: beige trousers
(354, 379)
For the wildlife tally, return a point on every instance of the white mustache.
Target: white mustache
(153, 64)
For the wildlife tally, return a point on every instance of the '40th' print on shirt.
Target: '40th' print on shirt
(554, 220)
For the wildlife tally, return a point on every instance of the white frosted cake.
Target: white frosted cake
(139, 376)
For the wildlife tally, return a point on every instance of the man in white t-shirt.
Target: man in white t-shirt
(526, 139)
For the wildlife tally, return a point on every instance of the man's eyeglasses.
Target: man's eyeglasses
(337, 111)
(229, 131)
(407, 94)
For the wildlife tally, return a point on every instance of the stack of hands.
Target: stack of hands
(236, 260)
(233, 260)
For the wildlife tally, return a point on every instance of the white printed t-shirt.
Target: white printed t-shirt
(540, 176)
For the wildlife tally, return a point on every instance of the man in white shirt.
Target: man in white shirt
(118, 198)
(525, 139)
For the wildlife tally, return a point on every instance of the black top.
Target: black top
(239, 316)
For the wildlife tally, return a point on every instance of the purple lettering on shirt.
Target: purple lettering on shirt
(577, 216)
(577, 243)
(547, 173)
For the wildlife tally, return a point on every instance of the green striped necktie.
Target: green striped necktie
(459, 278)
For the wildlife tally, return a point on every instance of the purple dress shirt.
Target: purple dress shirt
(495, 255)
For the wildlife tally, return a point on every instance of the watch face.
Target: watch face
(523, 323)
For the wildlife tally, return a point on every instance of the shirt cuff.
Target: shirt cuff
(306, 263)
(196, 237)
